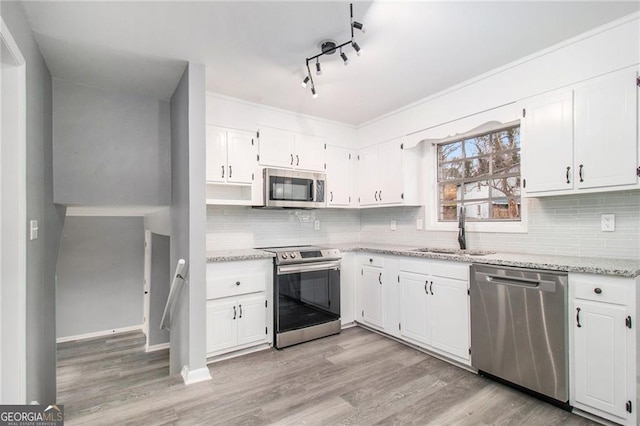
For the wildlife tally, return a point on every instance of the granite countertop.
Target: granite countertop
(590, 265)
(242, 254)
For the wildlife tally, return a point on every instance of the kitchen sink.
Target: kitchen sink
(458, 252)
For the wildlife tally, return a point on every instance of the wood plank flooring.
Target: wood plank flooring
(355, 378)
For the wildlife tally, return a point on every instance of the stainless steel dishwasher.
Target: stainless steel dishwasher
(519, 328)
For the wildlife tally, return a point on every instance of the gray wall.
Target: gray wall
(103, 136)
(188, 218)
(100, 275)
(158, 288)
(42, 253)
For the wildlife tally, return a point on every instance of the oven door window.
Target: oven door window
(307, 298)
(290, 189)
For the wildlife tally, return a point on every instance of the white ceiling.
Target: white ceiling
(256, 50)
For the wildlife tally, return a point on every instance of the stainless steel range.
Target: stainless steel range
(306, 284)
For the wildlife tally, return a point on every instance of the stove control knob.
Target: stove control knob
(293, 255)
(283, 255)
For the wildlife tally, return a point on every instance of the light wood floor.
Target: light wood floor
(357, 377)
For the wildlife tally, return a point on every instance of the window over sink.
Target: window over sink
(482, 174)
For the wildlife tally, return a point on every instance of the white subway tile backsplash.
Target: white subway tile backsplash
(557, 225)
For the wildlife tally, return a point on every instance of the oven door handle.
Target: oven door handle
(308, 267)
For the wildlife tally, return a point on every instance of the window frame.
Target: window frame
(431, 186)
(461, 184)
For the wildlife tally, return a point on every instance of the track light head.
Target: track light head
(358, 26)
(344, 57)
(305, 81)
(356, 47)
(318, 69)
(313, 92)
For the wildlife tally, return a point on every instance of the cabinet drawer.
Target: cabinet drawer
(602, 289)
(224, 286)
(373, 261)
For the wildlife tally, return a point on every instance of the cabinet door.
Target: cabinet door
(216, 154)
(600, 356)
(222, 329)
(547, 149)
(371, 303)
(339, 162)
(241, 157)
(413, 301)
(277, 148)
(389, 172)
(606, 114)
(449, 306)
(252, 319)
(309, 153)
(368, 176)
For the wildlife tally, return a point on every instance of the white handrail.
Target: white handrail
(172, 294)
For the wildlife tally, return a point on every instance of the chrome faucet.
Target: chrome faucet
(462, 240)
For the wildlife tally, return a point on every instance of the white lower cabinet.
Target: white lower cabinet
(239, 311)
(435, 306)
(235, 322)
(422, 301)
(371, 294)
(603, 363)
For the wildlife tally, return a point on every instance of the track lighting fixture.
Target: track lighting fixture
(356, 48)
(344, 57)
(329, 47)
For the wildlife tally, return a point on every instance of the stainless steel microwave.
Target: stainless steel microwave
(294, 188)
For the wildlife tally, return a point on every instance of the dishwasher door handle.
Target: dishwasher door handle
(542, 285)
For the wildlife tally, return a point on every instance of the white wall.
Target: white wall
(597, 52)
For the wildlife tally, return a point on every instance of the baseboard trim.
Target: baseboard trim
(98, 334)
(195, 376)
(157, 347)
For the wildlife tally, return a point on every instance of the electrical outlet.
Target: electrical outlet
(393, 225)
(608, 222)
(316, 225)
(419, 224)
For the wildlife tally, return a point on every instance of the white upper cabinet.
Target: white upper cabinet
(290, 150)
(340, 176)
(232, 172)
(548, 149)
(583, 139)
(606, 141)
(388, 174)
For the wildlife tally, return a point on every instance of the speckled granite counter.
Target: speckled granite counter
(590, 265)
(244, 254)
